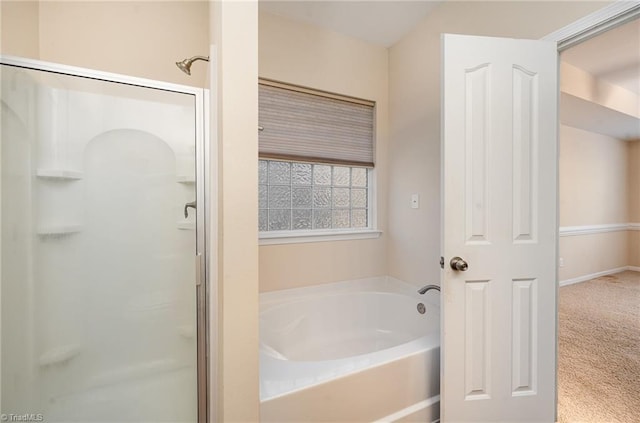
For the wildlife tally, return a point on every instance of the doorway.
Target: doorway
(598, 264)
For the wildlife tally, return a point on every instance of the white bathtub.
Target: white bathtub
(349, 351)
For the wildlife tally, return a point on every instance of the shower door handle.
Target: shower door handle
(186, 207)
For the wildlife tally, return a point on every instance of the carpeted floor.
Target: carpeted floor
(599, 350)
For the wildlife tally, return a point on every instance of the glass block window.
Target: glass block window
(305, 196)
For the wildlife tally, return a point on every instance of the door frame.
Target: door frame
(616, 14)
(598, 22)
(207, 282)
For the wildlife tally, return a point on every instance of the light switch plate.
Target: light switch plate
(415, 201)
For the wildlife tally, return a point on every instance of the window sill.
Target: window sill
(296, 237)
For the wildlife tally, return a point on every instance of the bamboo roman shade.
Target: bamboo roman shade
(301, 125)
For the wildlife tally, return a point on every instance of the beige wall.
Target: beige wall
(306, 55)
(588, 254)
(634, 181)
(414, 86)
(593, 178)
(634, 249)
(20, 28)
(599, 185)
(137, 38)
(634, 202)
(234, 31)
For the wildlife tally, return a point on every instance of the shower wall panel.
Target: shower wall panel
(17, 123)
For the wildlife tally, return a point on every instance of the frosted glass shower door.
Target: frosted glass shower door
(98, 282)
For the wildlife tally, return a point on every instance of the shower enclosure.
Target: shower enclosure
(103, 309)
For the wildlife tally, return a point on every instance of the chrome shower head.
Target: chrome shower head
(185, 65)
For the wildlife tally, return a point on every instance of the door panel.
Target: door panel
(499, 211)
(98, 276)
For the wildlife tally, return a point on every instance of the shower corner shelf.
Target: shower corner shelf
(59, 355)
(60, 174)
(58, 230)
(187, 226)
(185, 179)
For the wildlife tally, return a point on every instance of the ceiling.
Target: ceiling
(613, 56)
(375, 21)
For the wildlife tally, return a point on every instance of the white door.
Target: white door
(499, 211)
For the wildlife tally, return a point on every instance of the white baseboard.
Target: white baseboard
(597, 275)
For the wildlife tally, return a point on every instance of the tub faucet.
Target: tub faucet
(428, 288)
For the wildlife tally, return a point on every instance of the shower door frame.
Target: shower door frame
(203, 199)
